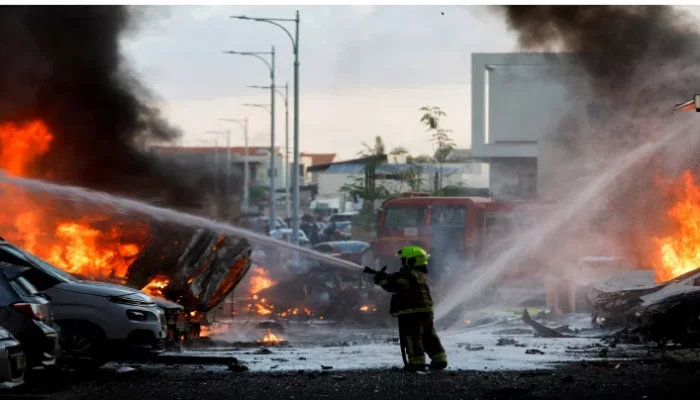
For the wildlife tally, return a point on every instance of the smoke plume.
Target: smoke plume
(613, 43)
(63, 66)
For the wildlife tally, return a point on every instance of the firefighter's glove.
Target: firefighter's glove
(380, 276)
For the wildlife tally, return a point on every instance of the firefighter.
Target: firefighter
(412, 304)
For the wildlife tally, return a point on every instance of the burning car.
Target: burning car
(324, 292)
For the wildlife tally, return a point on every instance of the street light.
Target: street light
(216, 160)
(285, 96)
(295, 47)
(244, 124)
(271, 67)
(273, 175)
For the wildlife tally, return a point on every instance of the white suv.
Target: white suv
(99, 321)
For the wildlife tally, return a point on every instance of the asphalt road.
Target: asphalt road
(634, 380)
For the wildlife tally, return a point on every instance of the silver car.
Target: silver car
(12, 361)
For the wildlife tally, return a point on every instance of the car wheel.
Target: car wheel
(82, 347)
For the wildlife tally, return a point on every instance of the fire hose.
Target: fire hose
(402, 341)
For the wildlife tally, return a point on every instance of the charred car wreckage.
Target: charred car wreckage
(667, 312)
(187, 272)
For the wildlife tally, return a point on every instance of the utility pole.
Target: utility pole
(273, 153)
(216, 161)
(243, 123)
(285, 96)
(271, 67)
(295, 172)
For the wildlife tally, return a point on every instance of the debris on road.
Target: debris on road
(533, 351)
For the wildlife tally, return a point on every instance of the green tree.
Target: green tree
(440, 137)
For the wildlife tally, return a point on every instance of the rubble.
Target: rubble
(667, 312)
(540, 329)
(533, 351)
(237, 366)
(506, 342)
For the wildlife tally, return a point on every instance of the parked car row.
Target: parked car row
(49, 317)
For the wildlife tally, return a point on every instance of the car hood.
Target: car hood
(167, 304)
(96, 288)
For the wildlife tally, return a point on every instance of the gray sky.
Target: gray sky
(365, 70)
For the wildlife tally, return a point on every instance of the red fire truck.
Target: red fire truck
(456, 228)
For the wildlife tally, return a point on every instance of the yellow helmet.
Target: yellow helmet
(415, 256)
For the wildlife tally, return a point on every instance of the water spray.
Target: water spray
(125, 205)
(469, 288)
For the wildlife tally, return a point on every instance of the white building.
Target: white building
(517, 98)
(465, 172)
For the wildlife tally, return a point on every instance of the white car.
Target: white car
(99, 321)
(12, 361)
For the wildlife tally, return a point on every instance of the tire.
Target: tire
(83, 346)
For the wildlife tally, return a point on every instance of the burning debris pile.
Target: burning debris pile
(322, 293)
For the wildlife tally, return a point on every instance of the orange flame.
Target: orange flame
(155, 287)
(21, 145)
(262, 310)
(368, 308)
(680, 253)
(37, 225)
(270, 338)
(259, 280)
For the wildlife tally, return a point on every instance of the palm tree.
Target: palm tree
(440, 138)
(377, 150)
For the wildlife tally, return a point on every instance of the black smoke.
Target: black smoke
(613, 43)
(63, 65)
(633, 64)
(633, 60)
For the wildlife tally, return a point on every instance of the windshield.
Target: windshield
(404, 217)
(341, 217)
(343, 225)
(351, 247)
(39, 264)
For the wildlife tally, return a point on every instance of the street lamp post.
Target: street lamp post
(273, 199)
(227, 186)
(271, 66)
(246, 184)
(285, 96)
(295, 172)
(216, 162)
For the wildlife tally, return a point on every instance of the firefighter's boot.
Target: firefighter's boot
(438, 365)
(414, 367)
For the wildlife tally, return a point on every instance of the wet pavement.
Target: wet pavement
(580, 380)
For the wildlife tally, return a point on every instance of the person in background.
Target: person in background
(314, 230)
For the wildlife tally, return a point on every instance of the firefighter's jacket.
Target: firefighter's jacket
(410, 291)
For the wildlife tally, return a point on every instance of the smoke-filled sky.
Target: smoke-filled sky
(365, 70)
